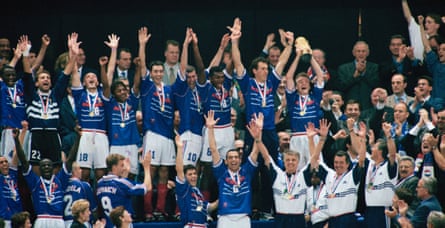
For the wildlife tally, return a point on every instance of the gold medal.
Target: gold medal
(302, 113)
(91, 114)
(14, 196)
(264, 103)
(49, 200)
(14, 105)
(45, 116)
(199, 208)
(162, 108)
(331, 196)
(122, 125)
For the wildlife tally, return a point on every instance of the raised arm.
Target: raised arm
(392, 149)
(199, 63)
(112, 43)
(23, 46)
(438, 152)
(210, 124)
(143, 37)
(425, 42)
(73, 151)
(290, 83)
(46, 40)
(255, 128)
(234, 37)
(358, 141)
(406, 11)
(73, 47)
(318, 71)
(19, 150)
(288, 38)
(219, 53)
(185, 51)
(179, 158)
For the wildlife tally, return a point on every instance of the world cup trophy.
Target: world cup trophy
(302, 44)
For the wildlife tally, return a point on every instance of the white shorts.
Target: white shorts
(45, 221)
(234, 220)
(300, 143)
(128, 151)
(162, 149)
(93, 150)
(7, 144)
(225, 139)
(192, 147)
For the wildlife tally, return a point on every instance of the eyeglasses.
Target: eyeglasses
(441, 117)
(4, 161)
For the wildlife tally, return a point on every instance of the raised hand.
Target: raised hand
(143, 35)
(113, 42)
(362, 129)
(254, 129)
(224, 41)
(194, 36)
(46, 40)
(103, 60)
(259, 119)
(386, 127)
(324, 127)
(210, 119)
(311, 131)
(235, 29)
(178, 141)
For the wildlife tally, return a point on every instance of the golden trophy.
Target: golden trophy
(302, 44)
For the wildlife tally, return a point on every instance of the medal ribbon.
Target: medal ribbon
(374, 172)
(48, 192)
(235, 178)
(290, 184)
(161, 96)
(220, 97)
(13, 94)
(337, 182)
(92, 105)
(196, 98)
(44, 104)
(123, 111)
(262, 93)
(302, 104)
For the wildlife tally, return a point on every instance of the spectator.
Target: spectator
(21, 220)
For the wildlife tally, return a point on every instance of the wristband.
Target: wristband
(27, 50)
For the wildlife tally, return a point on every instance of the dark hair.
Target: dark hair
(255, 62)
(405, 195)
(171, 42)
(5, 67)
(353, 101)
(436, 18)
(115, 85)
(342, 153)
(155, 63)
(19, 219)
(120, 50)
(189, 167)
(215, 69)
(425, 77)
(397, 36)
(116, 214)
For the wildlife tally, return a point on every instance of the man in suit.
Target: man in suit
(123, 68)
(68, 122)
(378, 112)
(426, 190)
(358, 78)
(282, 118)
(398, 87)
(408, 180)
(403, 62)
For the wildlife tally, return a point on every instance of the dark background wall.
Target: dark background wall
(330, 25)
